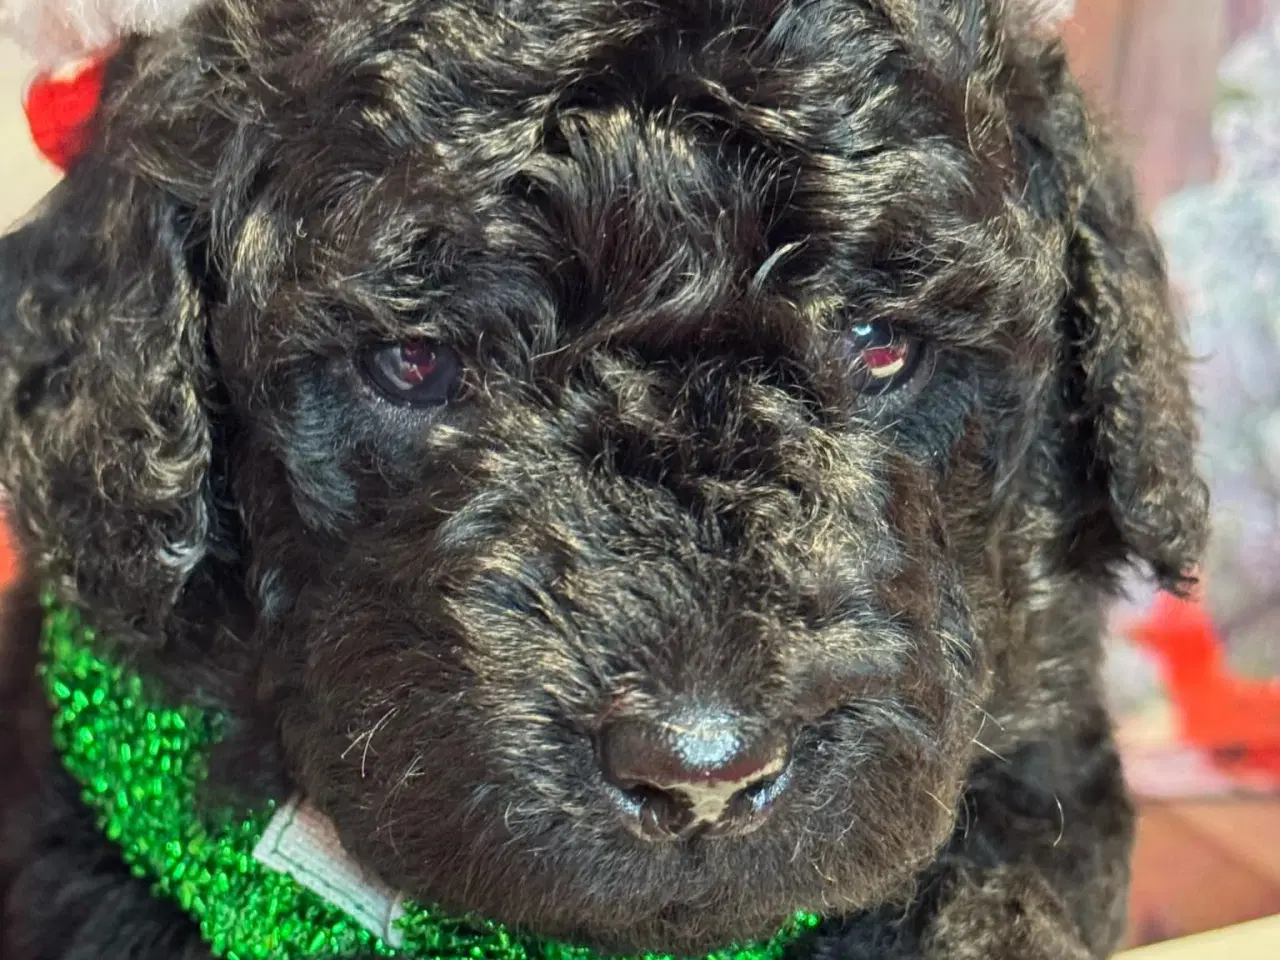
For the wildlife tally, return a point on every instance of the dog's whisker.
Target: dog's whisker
(366, 739)
(984, 714)
(942, 806)
(982, 746)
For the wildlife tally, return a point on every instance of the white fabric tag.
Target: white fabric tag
(300, 841)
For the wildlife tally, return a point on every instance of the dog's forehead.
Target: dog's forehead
(699, 160)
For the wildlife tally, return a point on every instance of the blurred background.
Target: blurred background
(1194, 88)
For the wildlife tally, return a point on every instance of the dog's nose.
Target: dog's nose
(695, 772)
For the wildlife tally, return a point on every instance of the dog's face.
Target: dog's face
(619, 441)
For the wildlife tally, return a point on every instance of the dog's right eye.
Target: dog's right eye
(415, 373)
(880, 358)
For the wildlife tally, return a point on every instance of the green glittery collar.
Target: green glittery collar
(140, 764)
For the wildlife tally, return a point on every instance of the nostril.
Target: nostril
(761, 794)
(759, 791)
(658, 815)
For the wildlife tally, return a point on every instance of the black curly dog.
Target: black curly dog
(641, 467)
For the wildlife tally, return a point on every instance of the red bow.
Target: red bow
(60, 108)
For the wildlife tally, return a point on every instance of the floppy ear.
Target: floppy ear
(1134, 368)
(103, 385)
(1127, 408)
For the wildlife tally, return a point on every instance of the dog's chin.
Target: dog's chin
(635, 925)
(682, 930)
(624, 904)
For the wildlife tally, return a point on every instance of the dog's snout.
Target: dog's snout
(695, 772)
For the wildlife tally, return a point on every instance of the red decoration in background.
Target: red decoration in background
(8, 559)
(60, 107)
(1236, 721)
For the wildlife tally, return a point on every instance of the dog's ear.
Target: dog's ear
(1134, 391)
(1125, 401)
(103, 396)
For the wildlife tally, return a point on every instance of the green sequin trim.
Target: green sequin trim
(140, 764)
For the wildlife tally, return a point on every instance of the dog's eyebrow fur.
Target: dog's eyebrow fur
(697, 152)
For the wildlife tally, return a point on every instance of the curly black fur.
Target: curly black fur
(644, 225)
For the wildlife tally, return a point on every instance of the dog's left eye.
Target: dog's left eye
(880, 358)
(416, 373)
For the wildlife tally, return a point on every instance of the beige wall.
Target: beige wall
(24, 177)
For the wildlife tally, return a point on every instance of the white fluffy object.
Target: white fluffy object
(57, 31)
